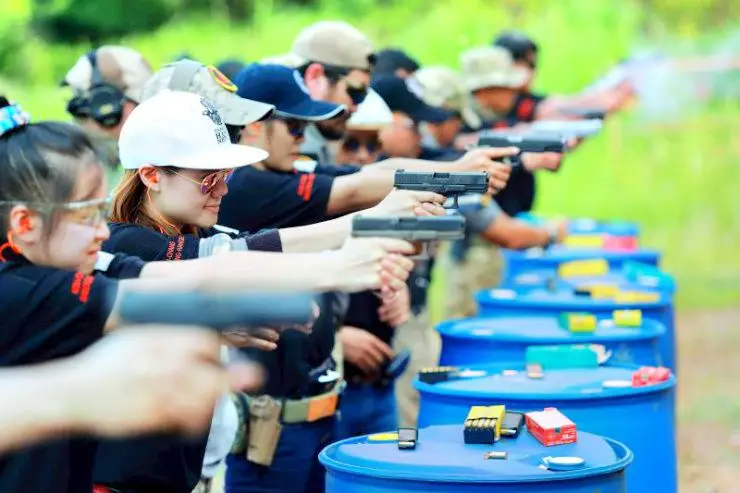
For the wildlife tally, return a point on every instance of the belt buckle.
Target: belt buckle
(322, 407)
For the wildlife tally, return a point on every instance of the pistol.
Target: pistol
(526, 142)
(448, 184)
(568, 128)
(413, 229)
(585, 113)
(248, 310)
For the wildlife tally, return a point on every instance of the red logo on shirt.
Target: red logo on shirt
(525, 110)
(81, 285)
(174, 248)
(305, 186)
(500, 124)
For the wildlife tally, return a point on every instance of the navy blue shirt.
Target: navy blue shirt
(159, 463)
(46, 314)
(268, 199)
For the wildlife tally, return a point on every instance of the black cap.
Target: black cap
(389, 60)
(516, 43)
(230, 68)
(399, 97)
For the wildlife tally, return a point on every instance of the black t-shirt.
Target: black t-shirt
(267, 199)
(159, 463)
(519, 194)
(46, 314)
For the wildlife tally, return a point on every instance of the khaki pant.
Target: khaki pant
(480, 269)
(419, 337)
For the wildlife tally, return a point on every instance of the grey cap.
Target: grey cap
(490, 66)
(210, 83)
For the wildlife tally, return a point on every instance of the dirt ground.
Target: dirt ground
(709, 401)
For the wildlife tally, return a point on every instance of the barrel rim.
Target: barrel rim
(557, 254)
(484, 299)
(334, 465)
(435, 390)
(640, 334)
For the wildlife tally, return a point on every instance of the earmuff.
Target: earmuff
(103, 103)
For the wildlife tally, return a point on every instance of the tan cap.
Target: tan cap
(490, 66)
(372, 114)
(443, 87)
(207, 82)
(333, 43)
(119, 66)
(286, 59)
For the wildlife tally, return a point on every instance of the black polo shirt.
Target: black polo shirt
(46, 314)
(159, 463)
(519, 194)
(268, 199)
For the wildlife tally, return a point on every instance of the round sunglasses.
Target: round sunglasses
(209, 182)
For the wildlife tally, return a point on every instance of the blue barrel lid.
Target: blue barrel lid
(544, 330)
(561, 299)
(570, 384)
(560, 253)
(441, 456)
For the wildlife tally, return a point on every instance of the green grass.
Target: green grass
(677, 181)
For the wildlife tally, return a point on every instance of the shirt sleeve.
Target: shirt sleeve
(149, 245)
(478, 221)
(119, 266)
(264, 199)
(342, 170)
(56, 314)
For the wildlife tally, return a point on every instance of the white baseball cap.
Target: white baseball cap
(372, 114)
(184, 130)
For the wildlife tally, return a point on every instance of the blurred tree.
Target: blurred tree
(97, 20)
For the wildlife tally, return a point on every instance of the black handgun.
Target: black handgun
(447, 184)
(248, 310)
(413, 229)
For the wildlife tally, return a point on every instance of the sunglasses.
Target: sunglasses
(353, 144)
(296, 128)
(209, 182)
(357, 91)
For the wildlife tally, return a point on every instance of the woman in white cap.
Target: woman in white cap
(178, 159)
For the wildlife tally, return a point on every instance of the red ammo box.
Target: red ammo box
(551, 427)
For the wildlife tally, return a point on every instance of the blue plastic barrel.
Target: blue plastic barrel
(517, 262)
(545, 302)
(443, 463)
(629, 277)
(587, 226)
(473, 341)
(642, 418)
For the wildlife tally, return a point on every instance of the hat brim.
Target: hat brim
(312, 111)
(240, 111)
(226, 156)
(431, 114)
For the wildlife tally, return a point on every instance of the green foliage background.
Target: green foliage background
(678, 179)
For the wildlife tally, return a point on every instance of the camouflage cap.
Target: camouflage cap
(490, 66)
(208, 82)
(443, 87)
(119, 66)
(334, 43)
